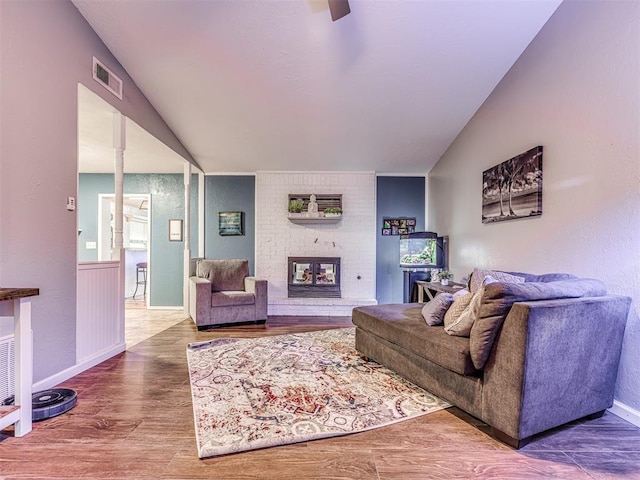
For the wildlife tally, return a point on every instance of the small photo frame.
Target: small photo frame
(230, 223)
(175, 230)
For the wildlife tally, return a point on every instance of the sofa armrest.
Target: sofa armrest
(200, 300)
(259, 289)
(553, 361)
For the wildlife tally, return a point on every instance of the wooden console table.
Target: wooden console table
(16, 302)
(431, 287)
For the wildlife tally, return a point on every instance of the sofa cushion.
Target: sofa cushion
(232, 298)
(223, 274)
(461, 327)
(433, 311)
(403, 325)
(478, 275)
(461, 300)
(498, 298)
(544, 278)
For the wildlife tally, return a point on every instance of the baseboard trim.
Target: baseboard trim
(629, 414)
(78, 368)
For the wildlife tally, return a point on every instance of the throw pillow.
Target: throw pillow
(478, 276)
(434, 311)
(460, 302)
(461, 327)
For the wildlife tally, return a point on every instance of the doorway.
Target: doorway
(136, 242)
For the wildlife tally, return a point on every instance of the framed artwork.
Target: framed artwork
(513, 189)
(230, 223)
(398, 226)
(175, 230)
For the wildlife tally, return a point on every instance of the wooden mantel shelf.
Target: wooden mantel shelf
(17, 303)
(303, 219)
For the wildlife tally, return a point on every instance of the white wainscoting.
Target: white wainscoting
(100, 311)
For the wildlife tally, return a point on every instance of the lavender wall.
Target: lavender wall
(46, 49)
(575, 91)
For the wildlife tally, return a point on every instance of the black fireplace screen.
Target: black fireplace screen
(314, 277)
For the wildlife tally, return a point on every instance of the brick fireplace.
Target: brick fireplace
(352, 240)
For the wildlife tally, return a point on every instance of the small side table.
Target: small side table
(16, 302)
(433, 288)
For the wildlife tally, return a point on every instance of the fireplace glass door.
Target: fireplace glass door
(314, 277)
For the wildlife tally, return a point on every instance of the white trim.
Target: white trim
(162, 307)
(78, 368)
(317, 172)
(626, 412)
(380, 174)
(230, 174)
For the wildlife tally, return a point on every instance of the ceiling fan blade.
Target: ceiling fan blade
(338, 9)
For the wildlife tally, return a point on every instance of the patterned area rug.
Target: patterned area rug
(262, 392)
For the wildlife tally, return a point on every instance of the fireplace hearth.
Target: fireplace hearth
(314, 277)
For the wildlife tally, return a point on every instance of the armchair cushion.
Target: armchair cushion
(224, 275)
(231, 298)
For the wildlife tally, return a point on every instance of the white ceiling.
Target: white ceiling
(144, 153)
(276, 85)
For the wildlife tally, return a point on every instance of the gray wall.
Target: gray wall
(576, 92)
(167, 201)
(38, 171)
(230, 193)
(396, 197)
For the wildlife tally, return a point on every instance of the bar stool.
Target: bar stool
(141, 278)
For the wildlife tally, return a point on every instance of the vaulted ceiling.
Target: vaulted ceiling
(276, 85)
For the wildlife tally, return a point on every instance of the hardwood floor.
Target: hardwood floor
(134, 421)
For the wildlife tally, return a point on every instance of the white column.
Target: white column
(187, 235)
(23, 363)
(119, 145)
(201, 200)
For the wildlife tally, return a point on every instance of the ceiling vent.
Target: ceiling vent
(107, 78)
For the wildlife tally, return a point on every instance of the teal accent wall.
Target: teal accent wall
(396, 197)
(167, 202)
(230, 193)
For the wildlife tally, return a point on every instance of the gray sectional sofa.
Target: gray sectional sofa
(540, 353)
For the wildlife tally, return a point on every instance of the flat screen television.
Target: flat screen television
(421, 250)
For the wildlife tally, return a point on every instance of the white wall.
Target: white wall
(575, 91)
(46, 49)
(353, 239)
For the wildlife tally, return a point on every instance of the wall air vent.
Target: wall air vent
(107, 78)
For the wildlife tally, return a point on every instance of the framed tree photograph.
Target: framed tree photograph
(230, 223)
(513, 189)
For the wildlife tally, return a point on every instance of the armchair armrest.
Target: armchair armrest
(259, 289)
(200, 300)
(554, 361)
